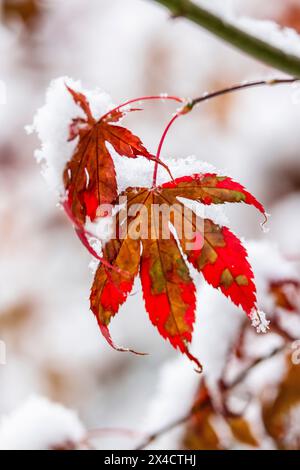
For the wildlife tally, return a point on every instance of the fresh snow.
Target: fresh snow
(39, 424)
(255, 135)
(52, 121)
(259, 321)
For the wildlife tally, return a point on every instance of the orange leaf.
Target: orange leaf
(241, 430)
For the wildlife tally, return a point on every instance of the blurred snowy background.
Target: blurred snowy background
(53, 347)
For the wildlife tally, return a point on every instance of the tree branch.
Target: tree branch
(256, 48)
(244, 374)
(173, 424)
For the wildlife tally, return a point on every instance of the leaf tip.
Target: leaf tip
(105, 331)
(199, 367)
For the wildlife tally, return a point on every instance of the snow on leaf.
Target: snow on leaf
(90, 177)
(259, 321)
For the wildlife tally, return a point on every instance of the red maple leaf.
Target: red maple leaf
(168, 289)
(90, 177)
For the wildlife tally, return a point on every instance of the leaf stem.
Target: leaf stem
(189, 105)
(161, 97)
(256, 48)
(160, 147)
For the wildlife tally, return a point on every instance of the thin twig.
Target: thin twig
(242, 86)
(189, 105)
(243, 375)
(168, 427)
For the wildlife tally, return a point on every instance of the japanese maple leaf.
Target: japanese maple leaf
(163, 262)
(90, 177)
